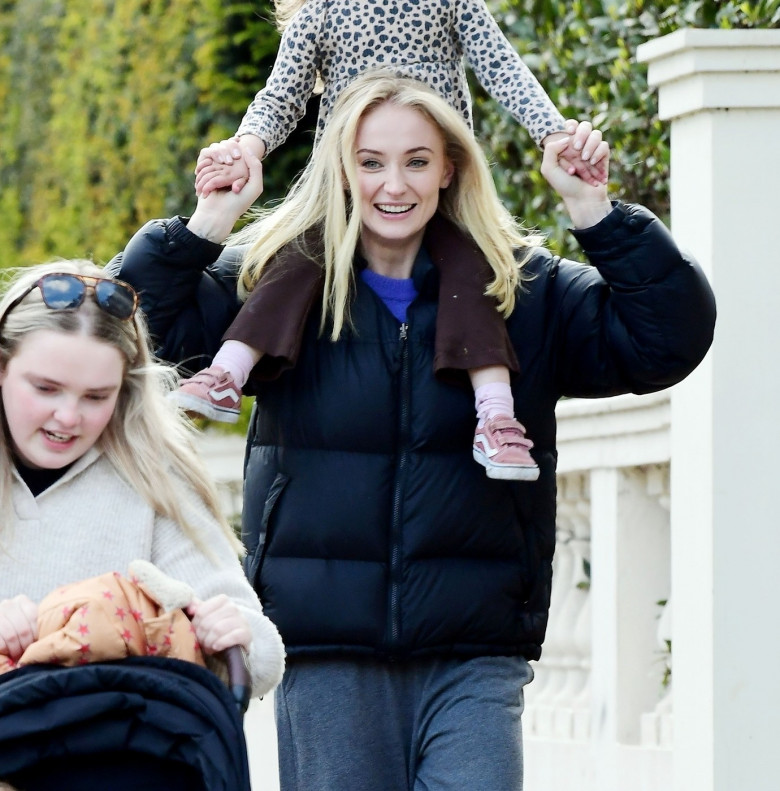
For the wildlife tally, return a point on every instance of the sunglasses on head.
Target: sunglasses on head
(64, 291)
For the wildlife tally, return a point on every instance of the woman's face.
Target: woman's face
(401, 165)
(59, 392)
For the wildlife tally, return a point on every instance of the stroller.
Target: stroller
(144, 723)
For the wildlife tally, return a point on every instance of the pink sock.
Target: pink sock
(237, 359)
(492, 400)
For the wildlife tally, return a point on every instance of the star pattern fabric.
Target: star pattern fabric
(105, 618)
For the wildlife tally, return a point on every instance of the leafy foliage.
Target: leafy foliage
(106, 105)
(583, 53)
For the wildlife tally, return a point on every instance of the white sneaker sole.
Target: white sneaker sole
(198, 406)
(505, 472)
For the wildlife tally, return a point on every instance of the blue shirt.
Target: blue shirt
(396, 293)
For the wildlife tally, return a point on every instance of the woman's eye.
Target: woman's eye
(97, 397)
(370, 164)
(418, 163)
(44, 388)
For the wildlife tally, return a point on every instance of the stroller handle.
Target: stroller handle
(239, 678)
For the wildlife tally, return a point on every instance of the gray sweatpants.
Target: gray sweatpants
(425, 725)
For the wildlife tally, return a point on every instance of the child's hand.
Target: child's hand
(213, 177)
(585, 157)
(224, 164)
(586, 203)
(219, 624)
(18, 625)
(223, 153)
(219, 166)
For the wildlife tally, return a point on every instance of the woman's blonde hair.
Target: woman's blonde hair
(149, 444)
(319, 198)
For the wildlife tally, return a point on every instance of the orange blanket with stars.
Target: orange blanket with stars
(105, 618)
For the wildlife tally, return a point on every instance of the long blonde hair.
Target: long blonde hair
(319, 198)
(147, 442)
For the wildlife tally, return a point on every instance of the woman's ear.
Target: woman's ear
(449, 173)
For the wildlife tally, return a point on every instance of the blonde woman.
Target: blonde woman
(340, 39)
(411, 590)
(97, 471)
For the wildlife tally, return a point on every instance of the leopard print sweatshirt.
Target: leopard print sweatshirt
(424, 39)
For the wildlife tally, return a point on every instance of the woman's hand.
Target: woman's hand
(18, 625)
(217, 213)
(219, 624)
(586, 203)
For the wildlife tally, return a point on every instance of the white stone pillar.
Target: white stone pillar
(721, 91)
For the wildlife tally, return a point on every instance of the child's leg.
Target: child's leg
(238, 359)
(492, 393)
(263, 339)
(215, 392)
(274, 315)
(500, 444)
(471, 336)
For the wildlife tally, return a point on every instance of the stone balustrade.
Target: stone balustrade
(600, 707)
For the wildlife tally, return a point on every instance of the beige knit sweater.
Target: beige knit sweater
(91, 521)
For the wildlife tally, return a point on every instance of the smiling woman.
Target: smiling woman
(410, 588)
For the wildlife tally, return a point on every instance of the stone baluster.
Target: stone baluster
(575, 651)
(560, 672)
(656, 725)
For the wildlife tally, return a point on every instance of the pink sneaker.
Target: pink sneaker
(501, 446)
(211, 393)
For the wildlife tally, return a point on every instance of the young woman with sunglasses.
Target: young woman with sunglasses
(97, 469)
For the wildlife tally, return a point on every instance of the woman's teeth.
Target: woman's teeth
(56, 437)
(388, 209)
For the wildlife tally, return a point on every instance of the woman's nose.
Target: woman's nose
(394, 183)
(67, 412)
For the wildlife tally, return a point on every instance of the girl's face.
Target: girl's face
(59, 392)
(402, 165)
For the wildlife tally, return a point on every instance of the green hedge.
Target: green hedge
(105, 107)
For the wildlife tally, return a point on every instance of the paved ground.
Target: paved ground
(261, 744)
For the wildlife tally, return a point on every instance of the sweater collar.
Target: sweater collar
(87, 460)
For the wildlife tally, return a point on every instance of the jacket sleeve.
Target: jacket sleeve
(187, 287)
(219, 572)
(640, 319)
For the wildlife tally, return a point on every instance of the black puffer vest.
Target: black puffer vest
(369, 526)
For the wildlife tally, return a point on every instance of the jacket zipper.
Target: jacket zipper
(400, 476)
